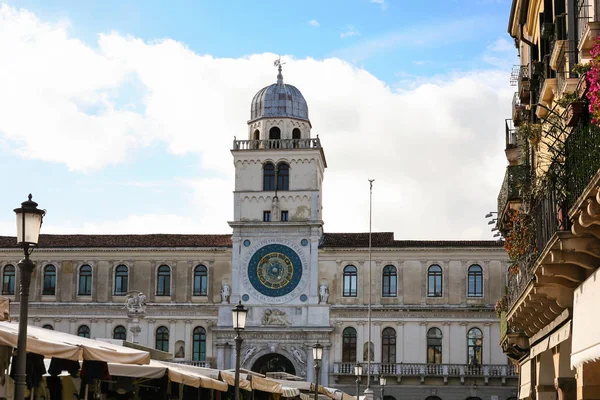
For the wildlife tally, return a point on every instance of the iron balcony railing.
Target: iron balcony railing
(428, 370)
(277, 144)
(520, 113)
(582, 161)
(586, 11)
(515, 185)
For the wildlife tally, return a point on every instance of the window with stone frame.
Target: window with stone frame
(434, 281)
(475, 281)
(474, 346)
(434, 346)
(268, 176)
(349, 345)
(162, 339)
(350, 281)
(120, 333)
(389, 281)
(121, 280)
(163, 281)
(8, 280)
(388, 346)
(283, 176)
(200, 281)
(49, 280)
(84, 331)
(199, 344)
(85, 281)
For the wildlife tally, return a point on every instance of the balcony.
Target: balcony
(422, 371)
(588, 24)
(520, 113)
(515, 185)
(201, 364)
(277, 144)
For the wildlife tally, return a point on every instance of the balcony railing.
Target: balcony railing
(582, 149)
(202, 364)
(431, 370)
(586, 11)
(520, 113)
(515, 185)
(511, 134)
(277, 144)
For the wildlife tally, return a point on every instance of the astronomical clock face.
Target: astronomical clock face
(275, 272)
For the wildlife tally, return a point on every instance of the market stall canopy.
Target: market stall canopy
(186, 377)
(51, 343)
(154, 370)
(266, 385)
(586, 332)
(230, 379)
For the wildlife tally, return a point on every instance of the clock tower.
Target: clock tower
(277, 224)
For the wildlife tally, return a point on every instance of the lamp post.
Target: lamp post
(317, 356)
(382, 382)
(29, 222)
(358, 373)
(239, 323)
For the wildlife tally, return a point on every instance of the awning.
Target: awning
(266, 385)
(301, 385)
(539, 348)
(586, 329)
(230, 380)
(152, 371)
(189, 378)
(525, 380)
(48, 347)
(289, 392)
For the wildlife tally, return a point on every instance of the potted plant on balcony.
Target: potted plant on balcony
(533, 132)
(593, 79)
(519, 240)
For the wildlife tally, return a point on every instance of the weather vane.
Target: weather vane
(278, 64)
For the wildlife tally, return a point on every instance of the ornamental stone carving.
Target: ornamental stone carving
(275, 317)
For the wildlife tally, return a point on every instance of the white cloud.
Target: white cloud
(349, 30)
(313, 22)
(381, 3)
(435, 150)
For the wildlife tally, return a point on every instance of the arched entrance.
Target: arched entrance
(273, 362)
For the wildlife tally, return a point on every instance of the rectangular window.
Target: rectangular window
(200, 285)
(284, 216)
(267, 216)
(49, 285)
(85, 285)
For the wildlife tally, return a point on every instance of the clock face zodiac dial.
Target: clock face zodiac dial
(275, 270)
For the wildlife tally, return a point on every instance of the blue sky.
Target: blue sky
(122, 112)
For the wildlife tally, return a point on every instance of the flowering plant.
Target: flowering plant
(593, 79)
(519, 241)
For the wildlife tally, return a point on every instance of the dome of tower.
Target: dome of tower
(279, 100)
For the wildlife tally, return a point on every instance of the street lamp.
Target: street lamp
(382, 382)
(358, 373)
(317, 356)
(29, 222)
(239, 323)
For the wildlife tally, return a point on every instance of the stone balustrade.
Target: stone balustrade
(277, 144)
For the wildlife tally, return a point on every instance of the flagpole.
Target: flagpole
(368, 390)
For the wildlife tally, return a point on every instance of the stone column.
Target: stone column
(236, 286)
(220, 356)
(423, 341)
(376, 339)
(57, 322)
(544, 385)
(72, 326)
(151, 333)
(400, 342)
(188, 339)
(94, 328)
(487, 345)
(36, 321)
(325, 365)
(108, 327)
(314, 268)
(310, 363)
(172, 335)
(446, 342)
(564, 381)
(361, 339)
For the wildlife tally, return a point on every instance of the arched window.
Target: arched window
(275, 133)
(163, 281)
(120, 333)
(49, 285)
(121, 280)
(474, 346)
(85, 280)
(475, 281)
(83, 331)
(199, 344)
(283, 176)
(389, 278)
(268, 176)
(349, 345)
(296, 133)
(162, 339)
(48, 326)
(434, 281)
(434, 346)
(388, 346)
(350, 281)
(8, 280)
(200, 281)
(256, 135)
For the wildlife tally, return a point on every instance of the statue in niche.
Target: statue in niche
(275, 209)
(180, 352)
(367, 353)
(225, 293)
(323, 293)
(298, 355)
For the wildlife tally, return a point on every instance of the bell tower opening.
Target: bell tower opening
(273, 362)
(256, 135)
(275, 133)
(296, 133)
